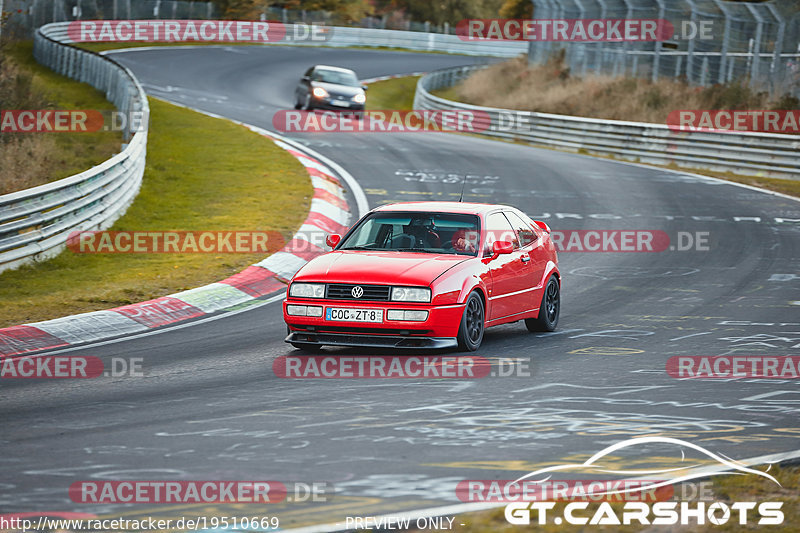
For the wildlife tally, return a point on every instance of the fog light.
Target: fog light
(417, 316)
(394, 314)
(296, 310)
(407, 314)
(314, 310)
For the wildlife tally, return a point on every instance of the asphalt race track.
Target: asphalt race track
(210, 406)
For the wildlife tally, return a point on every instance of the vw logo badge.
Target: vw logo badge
(357, 291)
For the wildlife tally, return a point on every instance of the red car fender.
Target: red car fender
(549, 270)
(470, 284)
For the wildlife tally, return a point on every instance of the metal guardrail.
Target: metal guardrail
(747, 153)
(35, 223)
(421, 41)
(373, 37)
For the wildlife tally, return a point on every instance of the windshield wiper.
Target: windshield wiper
(360, 248)
(422, 250)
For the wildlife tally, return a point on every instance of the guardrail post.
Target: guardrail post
(726, 37)
(754, 71)
(776, 55)
(691, 47)
(704, 72)
(602, 52)
(658, 46)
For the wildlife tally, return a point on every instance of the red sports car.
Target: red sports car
(426, 275)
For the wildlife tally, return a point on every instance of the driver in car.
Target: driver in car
(465, 240)
(422, 231)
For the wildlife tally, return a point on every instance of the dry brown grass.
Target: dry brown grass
(23, 162)
(31, 159)
(551, 88)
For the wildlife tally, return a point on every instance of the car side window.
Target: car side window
(499, 229)
(309, 72)
(524, 232)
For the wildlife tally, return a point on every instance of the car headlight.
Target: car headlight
(359, 98)
(319, 92)
(411, 294)
(307, 290)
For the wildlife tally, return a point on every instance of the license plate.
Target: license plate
(354, 315)
(342, 103)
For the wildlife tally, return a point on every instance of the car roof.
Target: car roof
(447, 207)
(328, 67)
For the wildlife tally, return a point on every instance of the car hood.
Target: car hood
(381, 268)
(339, 90)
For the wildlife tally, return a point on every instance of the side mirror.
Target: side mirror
(305, 78)
(333, 239)
(501, 247)
(542, 225)
(365, 87)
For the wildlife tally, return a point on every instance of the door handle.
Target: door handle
(526, 258)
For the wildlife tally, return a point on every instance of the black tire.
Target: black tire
(470, 332)
(549, 310)
(297, 103)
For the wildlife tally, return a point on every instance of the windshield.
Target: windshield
(447, 233)
(335, 76)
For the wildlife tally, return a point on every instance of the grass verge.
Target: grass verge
(397, 93)
(727, 489)
(553, 88)
(30, 159)
(202, 174)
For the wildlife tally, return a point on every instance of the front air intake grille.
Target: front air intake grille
(372, 293)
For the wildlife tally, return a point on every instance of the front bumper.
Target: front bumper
(327, 104)
(439, 330)
(312, 338)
